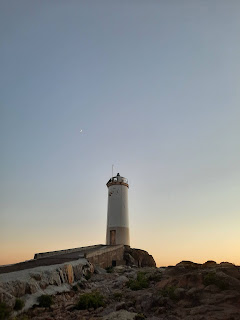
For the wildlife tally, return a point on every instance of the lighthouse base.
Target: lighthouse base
(117, 235)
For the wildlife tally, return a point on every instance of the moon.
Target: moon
(81, 131)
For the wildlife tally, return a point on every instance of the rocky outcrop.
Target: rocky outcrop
(187, 291)
(138, 257)
(187, 264)
(29, 284)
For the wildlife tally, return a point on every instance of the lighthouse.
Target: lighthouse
(117, 214)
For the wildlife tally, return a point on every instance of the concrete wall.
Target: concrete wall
(104, 258)
(101, 255)
(57, 252)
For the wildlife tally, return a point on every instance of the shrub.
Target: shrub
(90, 300)
(75, 288)
(45, 301)
(139, 316)
(4, 311)
(156, 276)
(140, 283)
(88, 275)
(21, 317)
(213, 278)
(109, 269)
(19, 304)
(117, 296)
(169, 292)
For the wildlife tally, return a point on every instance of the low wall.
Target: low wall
(101, 255)
(57, 252)
(104, 257)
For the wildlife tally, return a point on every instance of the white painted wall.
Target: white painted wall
(118, 206)
(117, 216)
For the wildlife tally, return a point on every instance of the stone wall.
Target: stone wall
(107, 257)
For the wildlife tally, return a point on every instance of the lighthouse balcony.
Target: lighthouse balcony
(118, 180)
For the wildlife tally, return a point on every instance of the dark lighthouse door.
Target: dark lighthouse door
(112, 237)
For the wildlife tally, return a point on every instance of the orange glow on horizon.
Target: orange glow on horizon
(163, 260)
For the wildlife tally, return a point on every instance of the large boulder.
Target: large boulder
(188, 264)
(209, 264)
(138, 257)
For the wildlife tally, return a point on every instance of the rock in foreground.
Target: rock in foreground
(187, 291)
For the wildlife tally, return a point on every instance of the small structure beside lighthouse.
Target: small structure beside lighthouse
(117, 215)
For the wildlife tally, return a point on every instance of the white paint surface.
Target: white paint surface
(117, 217)
(118, 206)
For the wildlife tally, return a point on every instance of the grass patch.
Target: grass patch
(168, 292)
(19, 304)
(90, 300)
(213, 278)
(45, 301)
(141, 282)
(4, 311)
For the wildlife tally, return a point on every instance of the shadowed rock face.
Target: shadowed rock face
(138, 257)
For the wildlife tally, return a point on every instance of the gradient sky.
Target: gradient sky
(154, 85)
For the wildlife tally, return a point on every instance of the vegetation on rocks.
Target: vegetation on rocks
(213, 278)
(21, 317)
(118, 296)
(155, 277)
(147, 293)
(88, 275)
(75, 288)
(141, 282)
(109, 269)
(90, 300)
(4, 311)
(19, 304)
(45, 301)
(169, 292)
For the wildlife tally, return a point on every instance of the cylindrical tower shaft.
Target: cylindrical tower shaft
(117, 217)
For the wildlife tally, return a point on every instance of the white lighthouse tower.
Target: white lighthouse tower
(117, 216)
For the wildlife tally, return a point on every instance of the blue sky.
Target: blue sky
(154, 85)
